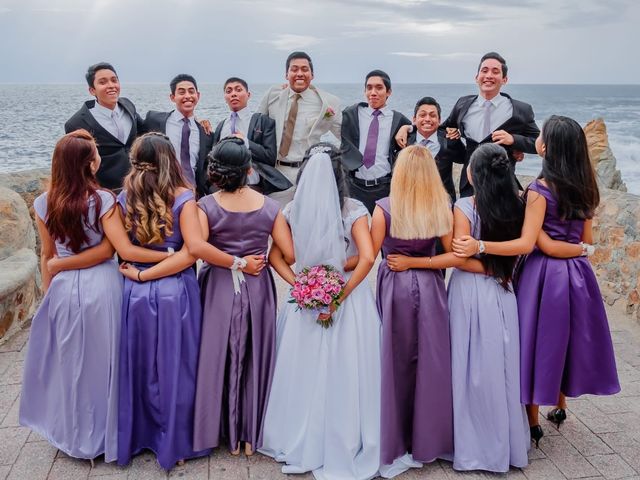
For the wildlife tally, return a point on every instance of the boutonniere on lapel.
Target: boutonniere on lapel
(257, 130)
(329, 113)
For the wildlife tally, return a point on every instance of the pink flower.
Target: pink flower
(330, 112)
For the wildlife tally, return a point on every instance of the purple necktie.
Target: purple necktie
(234, 119)
(185, 158)
(369, 156)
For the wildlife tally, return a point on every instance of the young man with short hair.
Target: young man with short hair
(368, 146)
(303, 114)
(259, 134)
(113, 122)
(190, 141)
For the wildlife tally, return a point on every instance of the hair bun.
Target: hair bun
(500, 162)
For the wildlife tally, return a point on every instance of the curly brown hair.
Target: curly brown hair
(151, 184)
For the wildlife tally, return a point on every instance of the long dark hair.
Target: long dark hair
(567, 169)
(336, 164)
(72, 184)
(499, 206)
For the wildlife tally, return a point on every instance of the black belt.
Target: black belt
(289, 164)
(370, 183)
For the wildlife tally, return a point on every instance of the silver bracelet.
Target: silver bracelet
(238, 263)
(481, 246)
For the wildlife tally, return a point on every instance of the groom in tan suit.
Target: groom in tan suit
(303, 114)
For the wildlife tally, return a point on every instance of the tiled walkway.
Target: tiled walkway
(600, 439)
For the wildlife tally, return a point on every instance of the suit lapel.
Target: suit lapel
(94, 125)
(252, 126)
(281, 108)
(134, 127)
(325, 106)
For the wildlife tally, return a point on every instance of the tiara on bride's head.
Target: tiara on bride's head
(319, 149)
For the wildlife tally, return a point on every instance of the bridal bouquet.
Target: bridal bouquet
(317, 288)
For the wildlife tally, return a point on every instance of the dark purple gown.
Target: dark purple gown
(159, 344)
(417, 402)
(565, 344)
(237, 353)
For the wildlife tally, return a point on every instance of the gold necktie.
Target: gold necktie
(289, 126)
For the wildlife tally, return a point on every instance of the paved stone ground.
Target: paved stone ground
(600, 439)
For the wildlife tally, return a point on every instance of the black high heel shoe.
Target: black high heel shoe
(557, 416)
(536, 434)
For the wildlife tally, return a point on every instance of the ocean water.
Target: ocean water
(32, 117)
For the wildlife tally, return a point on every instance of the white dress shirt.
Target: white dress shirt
(103, 114)
(382, 166)
(309, 106)
(242, 126)
(433, 145)
(473, 121)
(174, 132)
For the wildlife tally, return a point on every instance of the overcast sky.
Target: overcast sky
(415, 41)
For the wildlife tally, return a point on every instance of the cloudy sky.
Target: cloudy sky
(416, 41)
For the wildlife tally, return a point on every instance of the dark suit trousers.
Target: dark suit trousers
(368, 195)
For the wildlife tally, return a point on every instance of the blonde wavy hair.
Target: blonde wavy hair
(420, 205)
(151, 184)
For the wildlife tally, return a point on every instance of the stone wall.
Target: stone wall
(18, 262)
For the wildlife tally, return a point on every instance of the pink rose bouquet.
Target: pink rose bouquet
(317, 288)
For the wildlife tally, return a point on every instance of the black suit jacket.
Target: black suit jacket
(350, 136)
(115, 154)
(451, 151)
(521, 125)
(262, 144)
(157, 122)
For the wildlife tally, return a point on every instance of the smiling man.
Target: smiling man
(303, 114)
(493, 116)
(259, 134)
(188, 137)
(113, 122)
(427, 132)
(368, 146)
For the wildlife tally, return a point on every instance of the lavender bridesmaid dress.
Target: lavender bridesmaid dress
(237, 352)
(416, 357)
(565, 342)
(491, 431)
(70, 386)
(158, 358)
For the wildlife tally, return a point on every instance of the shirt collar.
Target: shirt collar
(384, 111)
(304, 94)
(177, 117)
(433, 137)
(495, 101)
(106, 111)
(243, 114)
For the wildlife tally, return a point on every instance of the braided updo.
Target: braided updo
(229, 164)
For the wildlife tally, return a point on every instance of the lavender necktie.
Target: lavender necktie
(486, 124)
(234, 120)
(185, 157)
(369, 156)
(119, 130)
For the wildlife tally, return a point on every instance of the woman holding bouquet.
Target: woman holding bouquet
(323, 413)
(417, 418)
(237, 352)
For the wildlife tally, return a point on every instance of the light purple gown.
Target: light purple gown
(565, 341)
(490, 424)
(416, 357)
(237, 353)
(161, 322)
(70, 385)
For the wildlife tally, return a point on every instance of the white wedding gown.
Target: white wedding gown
(323, 413)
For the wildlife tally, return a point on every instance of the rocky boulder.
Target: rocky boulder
(602, 157)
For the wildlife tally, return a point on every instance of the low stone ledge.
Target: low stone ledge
(18, 290)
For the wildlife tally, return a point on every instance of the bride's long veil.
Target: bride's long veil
(316, 219)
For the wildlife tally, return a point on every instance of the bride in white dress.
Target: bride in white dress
(323, 413)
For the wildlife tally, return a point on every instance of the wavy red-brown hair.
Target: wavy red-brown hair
(72, 185)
